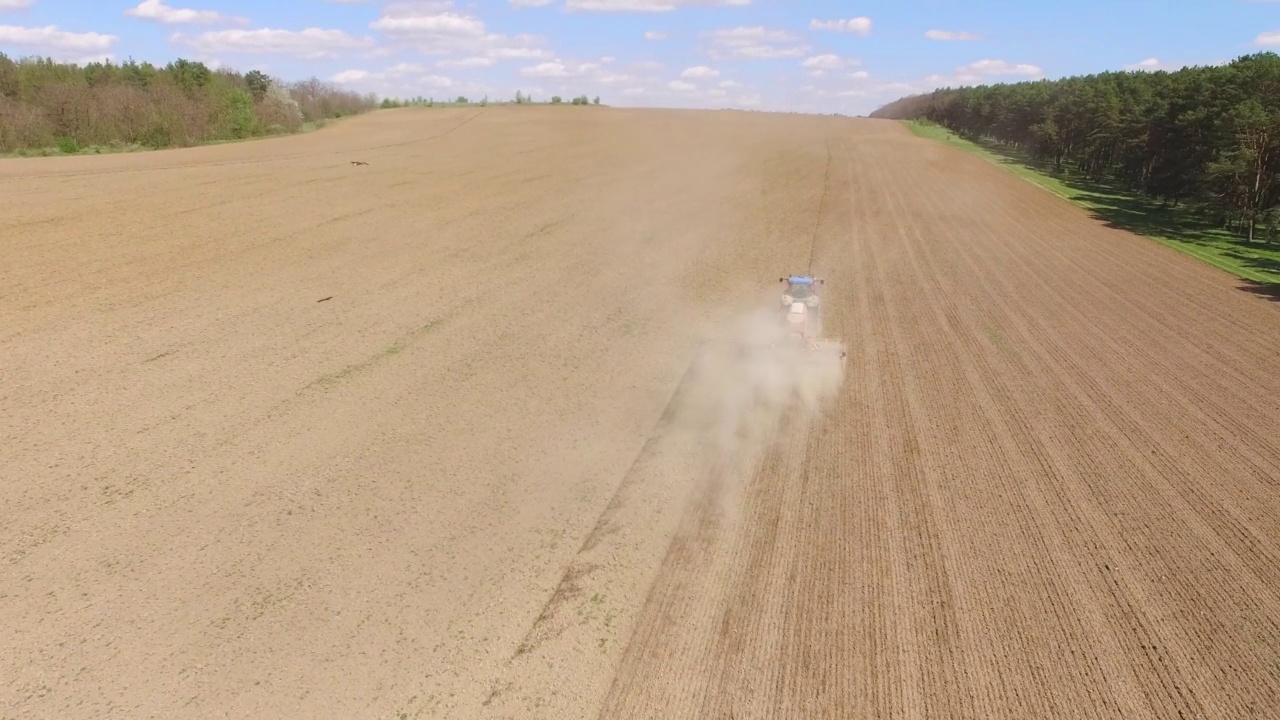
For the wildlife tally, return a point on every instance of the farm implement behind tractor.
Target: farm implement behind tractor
(801, 309)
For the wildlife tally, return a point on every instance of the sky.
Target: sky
(827, 56)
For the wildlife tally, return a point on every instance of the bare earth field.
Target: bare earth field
(456, 434)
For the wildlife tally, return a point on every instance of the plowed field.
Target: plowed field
(464, 432)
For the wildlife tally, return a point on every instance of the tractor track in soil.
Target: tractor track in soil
(1047, 488)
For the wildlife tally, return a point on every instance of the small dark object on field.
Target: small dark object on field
(359, 162)
(325, 298)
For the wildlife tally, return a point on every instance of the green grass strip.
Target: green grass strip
(1173, 227)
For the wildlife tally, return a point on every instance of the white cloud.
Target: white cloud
(1268, 38)
(57, 42)
(430, 26)
(577, 72)
(529, 3)
(850, 93)
(467, 62)
(516, 53)
(309, 44)
(1149, 65)
(826, 61)
(159, 12)
(413, 73)
(653, 91)
(402, 8)
(853, 91)
(407, 80)
(645, 5)
(754, 43)
(347, 77)
(946, 35)
(433, 29)
(15, 4)
(857, 26)
(988, 68)
(975, 73)
(700, 72)
(655, 35)
(633, 84)
(554, 68)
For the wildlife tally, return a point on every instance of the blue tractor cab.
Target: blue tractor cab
(800, 287)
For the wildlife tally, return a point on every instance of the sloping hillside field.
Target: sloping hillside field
(494, 427)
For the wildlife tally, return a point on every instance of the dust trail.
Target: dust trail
(752, 381)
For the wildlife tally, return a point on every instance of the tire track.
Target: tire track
(725, 626)
(982, 527)
(1141, 434)
(1164, 272)
(750, 677)
(924, 586)
(997, 399)
(1046, 488)
(1120, 269)
(1070, 372)
(570, 584)
(1079, 452)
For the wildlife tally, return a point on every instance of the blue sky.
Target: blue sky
(819, 56)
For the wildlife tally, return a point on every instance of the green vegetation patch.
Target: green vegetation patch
(395, 348)
(53, 108)
(1174, 226)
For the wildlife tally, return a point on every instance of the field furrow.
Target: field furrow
(496, 426)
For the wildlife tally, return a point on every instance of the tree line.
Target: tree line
(1204, 136)
(48, 104)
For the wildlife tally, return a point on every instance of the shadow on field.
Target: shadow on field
(1270, 291)
(1121, 209)
(1255, 262)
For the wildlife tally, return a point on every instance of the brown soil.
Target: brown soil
(497, 471)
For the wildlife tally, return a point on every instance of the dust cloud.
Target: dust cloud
(752, 387)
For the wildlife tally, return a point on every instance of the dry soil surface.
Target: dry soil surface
(463, 433)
